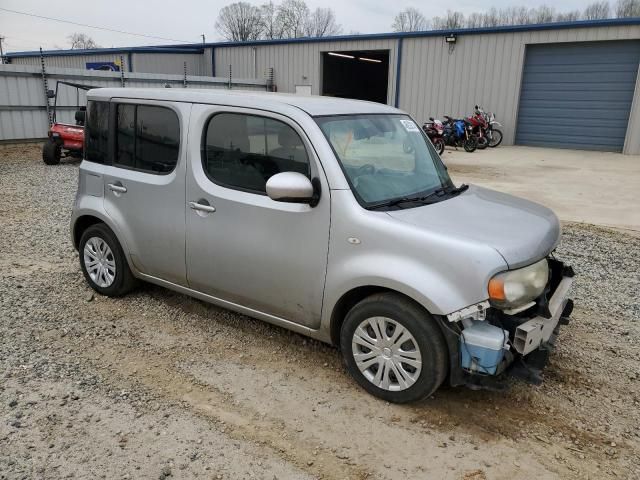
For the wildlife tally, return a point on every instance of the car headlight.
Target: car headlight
(514, 288)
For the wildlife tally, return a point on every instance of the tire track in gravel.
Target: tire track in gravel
(159, 375)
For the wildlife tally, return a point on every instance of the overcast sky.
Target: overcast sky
(186, 20)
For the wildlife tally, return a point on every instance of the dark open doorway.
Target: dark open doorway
(359, 74)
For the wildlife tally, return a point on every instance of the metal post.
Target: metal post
(122, 81)
(270, 79)
(1, 51)
(45, 84)
(184, 79)
(229, 77)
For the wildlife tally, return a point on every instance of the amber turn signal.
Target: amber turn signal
(496, 289)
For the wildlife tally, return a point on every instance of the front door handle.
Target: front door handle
(117, 187)
(202, 207)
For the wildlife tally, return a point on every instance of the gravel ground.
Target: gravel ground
(158, 385)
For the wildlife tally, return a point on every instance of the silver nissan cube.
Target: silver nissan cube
(332, 218)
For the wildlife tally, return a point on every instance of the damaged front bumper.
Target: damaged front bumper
(531, 336)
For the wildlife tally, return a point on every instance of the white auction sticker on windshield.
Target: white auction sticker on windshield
(409, 126)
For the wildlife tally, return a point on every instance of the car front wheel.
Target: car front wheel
(393, 348)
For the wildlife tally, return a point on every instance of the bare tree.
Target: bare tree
(491, 18)
(322, 23)
(410, 20)
(240, 22)
(474, 20)
(513, 16)
(628, 8)
(450, 21)
(81, 41)
(597, 10)
(271, 26)
(570, 16)
(292, 16)
(543, 14)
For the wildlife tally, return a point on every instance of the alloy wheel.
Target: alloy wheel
(386, 353)
(99, 262)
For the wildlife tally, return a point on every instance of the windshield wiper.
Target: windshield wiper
(439, 192)
(457, 190)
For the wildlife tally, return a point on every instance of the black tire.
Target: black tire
(438, 143)
(496, 138)
(123, 281)
(51, 153)
(482, 143)
(470, 144)
(421, 326)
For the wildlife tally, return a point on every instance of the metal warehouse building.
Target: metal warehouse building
(572, 85)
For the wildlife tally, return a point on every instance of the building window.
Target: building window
(147, 138)
(97, 132)
(243, 151)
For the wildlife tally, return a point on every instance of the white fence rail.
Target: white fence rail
(23, 103)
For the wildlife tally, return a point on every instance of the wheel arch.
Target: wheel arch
(350, 298)
(84, 220)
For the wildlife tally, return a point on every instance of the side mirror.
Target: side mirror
(292, 187)
(51, 94)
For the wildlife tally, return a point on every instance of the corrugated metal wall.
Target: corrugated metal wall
(632, 140)
(168, 63)
(296, 63)
(171, 63)
(70, 61)
(22, 99)
(484, 69)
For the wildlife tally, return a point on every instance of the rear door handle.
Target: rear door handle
(202, 207)
(117, 187)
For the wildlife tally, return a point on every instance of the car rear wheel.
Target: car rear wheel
(51, 153)
(103, 262)
(393, 348)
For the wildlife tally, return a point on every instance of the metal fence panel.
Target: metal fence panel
(23, 114)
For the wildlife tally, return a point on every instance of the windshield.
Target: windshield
(385, 157)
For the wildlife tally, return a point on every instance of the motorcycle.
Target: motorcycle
(434, 130)
(459, 133)
(491, 132)
(480, 125)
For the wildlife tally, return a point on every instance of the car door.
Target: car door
(145, 185)
(242, 246)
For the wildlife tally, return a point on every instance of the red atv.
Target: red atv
(65, 139)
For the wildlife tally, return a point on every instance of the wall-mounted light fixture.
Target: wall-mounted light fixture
(451, 38)
(334, 54)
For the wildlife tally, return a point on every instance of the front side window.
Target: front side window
(385, 158)
(147, 138)
(243, 151)
(97, 132)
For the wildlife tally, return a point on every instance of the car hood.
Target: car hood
(520, 230)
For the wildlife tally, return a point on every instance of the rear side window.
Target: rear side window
(147, 138)
(96, 148)
(243, 151)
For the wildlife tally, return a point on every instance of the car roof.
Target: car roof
(313, 105)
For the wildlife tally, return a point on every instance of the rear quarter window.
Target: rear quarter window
(96, 135)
